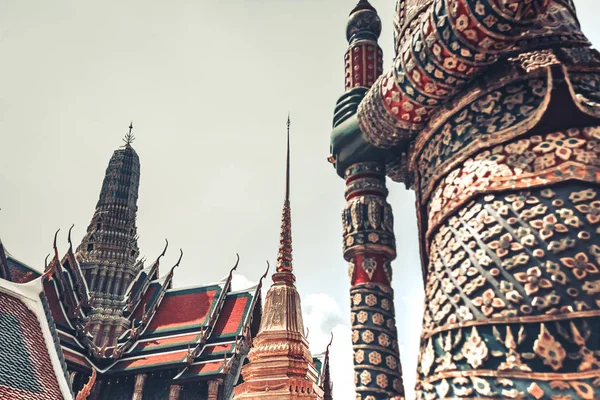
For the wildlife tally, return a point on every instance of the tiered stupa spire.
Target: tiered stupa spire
(281, 365)
(284, 257)
(109, 250)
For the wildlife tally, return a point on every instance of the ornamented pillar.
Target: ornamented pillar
(110, 281)
(117, 283)
(138, 389)
(92, 276)
(213, 389)
(100, 281)
(369, 247)
(174, 392)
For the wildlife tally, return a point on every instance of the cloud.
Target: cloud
(322, 316)
(240, 282)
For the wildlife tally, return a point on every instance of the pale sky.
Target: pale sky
(208, 86)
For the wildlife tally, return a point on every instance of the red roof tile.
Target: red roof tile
(148, 299)
(164, 343)
(184, 309)
(231, 317)
(55, 306)
(202, 369)
(149, 361)
(26, 370)
(218, 349)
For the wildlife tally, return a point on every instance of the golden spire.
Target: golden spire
(284, 256)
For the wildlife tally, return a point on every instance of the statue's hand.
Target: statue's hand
(348, 144)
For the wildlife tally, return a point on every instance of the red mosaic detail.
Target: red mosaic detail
(232, 315)
(364, 64)
(420, 79)
(399, 105)
(372, 273)
(470, 30)
(154, 360)
(38, 351)
(166, 342)
(444, 57)
(535, 161)
(179, 310)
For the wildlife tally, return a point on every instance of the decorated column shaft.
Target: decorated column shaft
(369, 247)
(213, 389)
(138, 389)
(174, 392)
(369, 243)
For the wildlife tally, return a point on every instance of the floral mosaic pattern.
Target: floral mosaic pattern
(526, 162)
(513, 285)
(497, 113)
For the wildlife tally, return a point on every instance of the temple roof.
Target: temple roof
(31, 364)
(198, 330)
(13, 269)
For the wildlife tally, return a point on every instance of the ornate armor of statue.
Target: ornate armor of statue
(491, 114)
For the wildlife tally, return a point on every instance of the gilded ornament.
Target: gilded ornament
(489, 302)
(584, 390)
(474, 349)
(368, 336)
(443, 388)
(549, 349)
(374, 358)
(362, 317)
(377, 319)
(369, 265)
(532, 280)
(535, 390)
(384, 339)
(391, 362)
(373, 237)
(579, 265)
(427, 358)
(370, 300)
(482, 386)
(365, 377)
(359, 356)
(382, 381)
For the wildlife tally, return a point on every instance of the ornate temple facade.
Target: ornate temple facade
(491, 114)
(104, 325)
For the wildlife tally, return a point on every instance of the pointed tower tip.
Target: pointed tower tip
(129, 138)
(362, 5)
(284, 256)
(287, 162)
